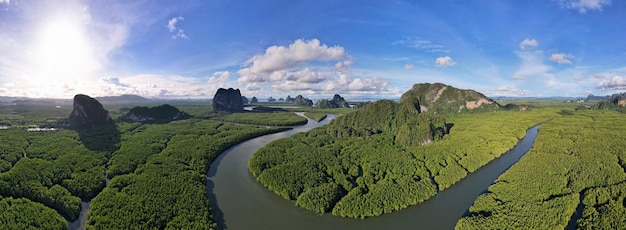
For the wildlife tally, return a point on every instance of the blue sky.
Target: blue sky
(359, 49)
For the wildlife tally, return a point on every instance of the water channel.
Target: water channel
(240, 202)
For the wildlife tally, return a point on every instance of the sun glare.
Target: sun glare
(63, 56)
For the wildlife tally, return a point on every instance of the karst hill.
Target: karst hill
(438, 98)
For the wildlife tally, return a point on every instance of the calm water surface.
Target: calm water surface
(240, 202)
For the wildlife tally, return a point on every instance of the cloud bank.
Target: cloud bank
(303, 66)
(584, 5)
(616, 83)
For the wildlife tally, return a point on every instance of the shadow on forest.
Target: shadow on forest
(449, 126)
(268, 109)
(218, 215)
(101, 138)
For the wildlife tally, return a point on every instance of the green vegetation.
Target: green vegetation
(157, 171)
(158, 114)
(159, 175)
(444, 99)
(374, 160)
(317, 116)
(577, 157)
(22, 213)
(381, 158)
(336, 102)
(52, 168)
(615, 102)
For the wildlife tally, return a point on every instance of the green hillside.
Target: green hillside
(387, 156)
(438, 98)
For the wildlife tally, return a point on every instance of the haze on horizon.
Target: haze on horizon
(190, 48)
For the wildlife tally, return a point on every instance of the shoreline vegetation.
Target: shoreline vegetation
(157, 171)
(580, 184)
(317, 116)
(363, 176)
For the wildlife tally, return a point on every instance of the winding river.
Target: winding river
(239, 202)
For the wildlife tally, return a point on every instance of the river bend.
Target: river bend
(240, 202)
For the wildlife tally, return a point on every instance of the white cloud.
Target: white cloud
(528, 43)
(532, 65)
(114, 81)
(219, 78)
(599, 76)
(584, 5)
(506, 91)
(154, 85)
(445, 61)
(343, 65)
(367, 84)
(253, 88)
(421, 44)
(616, 83)
(171, 26)
(277, 75)
(299, 69)
(278, 58)
(408, 67)
(5, 1)
(517, 77)
(561, 58)
(307, 76)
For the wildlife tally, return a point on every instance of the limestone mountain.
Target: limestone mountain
(336, 102)
(614, 102)
(157, 114)
(300, 100)
(439, 98)
(228, 100)
(88, 113)
(401, 120)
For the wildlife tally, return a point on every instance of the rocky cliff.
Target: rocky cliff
(88, 113)
(438, 98)
(157, 114)
(614, 102)
(300, 100)
(337, 102)
(228, 100)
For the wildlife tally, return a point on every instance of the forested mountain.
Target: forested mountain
(444, 99)
(386, 156)
(615, 102)
(337, 102)
(400, 120)
(157, 114)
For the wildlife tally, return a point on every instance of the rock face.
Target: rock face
(88, 113)
(444, 99)
(300, 100)
(228, 100)
(614, 102)
(336, 102)
(158, 114)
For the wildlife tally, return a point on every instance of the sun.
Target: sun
(63, 55)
